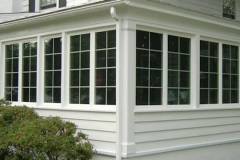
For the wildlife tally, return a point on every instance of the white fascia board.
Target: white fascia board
(177, 11)
(68, 11)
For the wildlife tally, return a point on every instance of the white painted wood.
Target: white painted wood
(2, 69)
(20, 75)
(165, 71)
(40, 71)
(220, 70)
(92, 68)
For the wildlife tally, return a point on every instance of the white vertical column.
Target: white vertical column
(92, 68)
(65, 70)
(2, 69)
(126, 84)
(165, 70)
(195, 71)
(220, 73)
(20, 54)
(40, 71)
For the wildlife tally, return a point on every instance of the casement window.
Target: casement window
(29, 72)
(80, 69)
(209, 71)
(149, 68)
(105, 68)
(178, 70)
(229, 9)
(11, 72)
(52, 70)
(230, 75)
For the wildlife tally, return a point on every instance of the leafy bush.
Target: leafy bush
(24, 136)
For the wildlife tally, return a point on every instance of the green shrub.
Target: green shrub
(25, 136)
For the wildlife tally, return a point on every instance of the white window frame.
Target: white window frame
(38, 6)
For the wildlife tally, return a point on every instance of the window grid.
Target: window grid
(230, 74)
(105, 68)
(229, 9)
(52, 88)
(11, 72)
(45, 4)
(29, 72)
(80, 69)
(178, 70)
(209, 72)
(149, 68)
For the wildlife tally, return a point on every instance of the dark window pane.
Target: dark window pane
(142, 96)
(57, 45)
(213, 81)
(184, 96)
(111, 39)
(111, 77)
(33, 64)
(33, 48)
(204, 96)
(234, 67)
(8, 80)
(172, 96)
(155, 78)
(226, 66)
(48, 46)
(100, 97)
(84, 78)
(85, 60)
(234, 52)
(142, 58)
(26, 65)
(48, 78)
(204, 48)
(226, 96)
(48, 96)
(14, 94)
(33, 82)
(173, 79)
(57, 95)
(75, 61)
(101, 58)
(173, 61)
(155, 41)
(111, 58)
(142, 77)
(25, 95)
(155, 60)
(74, 78)
(111, 96)
(8, 65)
(226, 81)
(48, 62)
(213, 96)
(142, 39)
(101, 40)
(213, 49)
(173, 44)
(9, 51)
(33, 93)
(184, 79)
(100, 77)
(74, 95)
(184, 62)
(15, 50)
(234, 81)
(8, 94)
(204, 80)
(26, 49)
(57, 61)
(15, 79)
(204, 64)
(184, 45)
(213, 65)
(84, 95)
(57, 78)
(85, 42)
(15, 65)
(234, 96)
(226, 51)
(155, 96)
(75, 43)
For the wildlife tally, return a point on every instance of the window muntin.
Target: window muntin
(44, 4)
(148, 68)
(29, 71)
(178, 70)
(209, 71)
(229, 9)
(230, 75)
(105, 68)
(11, 72)
(52, 71)
(80, 69)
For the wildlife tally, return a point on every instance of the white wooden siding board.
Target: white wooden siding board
(108, 146)
(100, 135)
(154, 145)
(184, 124)
(95, 125)
(185, 133)
(181, 115)
(95, 116)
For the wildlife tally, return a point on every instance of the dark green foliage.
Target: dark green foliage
(25, 136)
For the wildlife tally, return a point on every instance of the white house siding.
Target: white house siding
(5, 6)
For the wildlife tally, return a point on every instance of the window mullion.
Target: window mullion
(220, 73)
(20, 72)
(165, 70)
(2, 69)
(40, 71)
(65, 70)
(92, 68)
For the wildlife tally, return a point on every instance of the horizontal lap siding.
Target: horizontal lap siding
(99, 126)
(162, 130)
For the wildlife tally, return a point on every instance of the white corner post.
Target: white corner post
(40, 73)
(126, 58)
(195, 71)
(2, 51)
